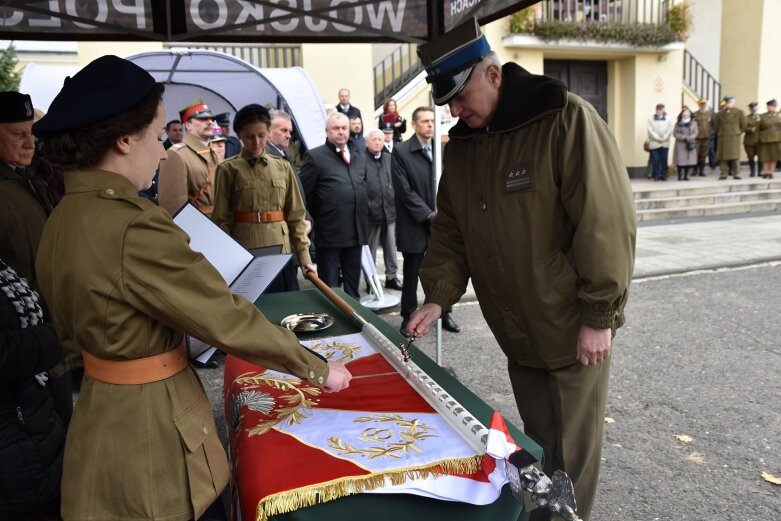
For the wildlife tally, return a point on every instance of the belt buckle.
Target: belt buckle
(259, 216)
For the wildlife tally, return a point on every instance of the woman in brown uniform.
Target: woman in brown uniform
(124, 288)
(257, 198)
(770, 139)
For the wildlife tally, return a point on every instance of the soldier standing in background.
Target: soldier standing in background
(730, 124)
(704, 119)
(770, 139)
(751, 138)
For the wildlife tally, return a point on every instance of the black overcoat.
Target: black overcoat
(414, 182)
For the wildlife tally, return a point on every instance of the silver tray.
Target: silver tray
(306, 322)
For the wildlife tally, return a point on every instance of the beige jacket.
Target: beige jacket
(241, 187)
(122, 283)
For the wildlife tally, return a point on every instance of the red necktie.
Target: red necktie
(343, 153)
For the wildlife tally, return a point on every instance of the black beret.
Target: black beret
(105, 87)
(250, 113)
(15, 107)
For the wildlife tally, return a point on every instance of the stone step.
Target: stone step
(701, 186)
(687, 199)
(709, 209)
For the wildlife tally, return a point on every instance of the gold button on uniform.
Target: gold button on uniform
(320, 380)
(110, 191)
(311, 374)
(205, 430)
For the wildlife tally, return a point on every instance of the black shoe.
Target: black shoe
(211, 364)
(393, 284)
(449, 324)
(403, 328)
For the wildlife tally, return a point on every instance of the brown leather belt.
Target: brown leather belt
(139, 370)
(259, 217)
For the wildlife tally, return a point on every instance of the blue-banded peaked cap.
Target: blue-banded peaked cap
(450, 59)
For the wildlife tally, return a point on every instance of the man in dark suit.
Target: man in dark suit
(414, 181)
(278, 144)
(334, 180)
(345, 108)
(174, 132)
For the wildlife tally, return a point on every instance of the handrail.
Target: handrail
(394, 71)
(699, 80)
(611, 11)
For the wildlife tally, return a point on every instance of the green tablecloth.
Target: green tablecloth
(391, 507)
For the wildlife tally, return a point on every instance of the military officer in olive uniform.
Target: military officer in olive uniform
(730, 124)
(751, 137)
(704, 118)
(770, 139)
(257, 199)
(187, 174)
(125, 288)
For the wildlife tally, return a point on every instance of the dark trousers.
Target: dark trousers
(659, 162)
(287, 280)
(409, 290)
(331, 260)
(563, 410)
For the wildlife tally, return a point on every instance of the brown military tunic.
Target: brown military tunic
(730, 124)
(24, 207)
(770, 136)
(187, 174)
(247, 184)
(704, 119)
(123, 283)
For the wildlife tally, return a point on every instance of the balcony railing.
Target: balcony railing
(394, 71)
(262, 56)
(613, 11)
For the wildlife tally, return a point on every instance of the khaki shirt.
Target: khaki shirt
(752, 130)
(187, 174)
(704, 119)
(538, 212)
(122, 283)
(770, 127)
(241, 187)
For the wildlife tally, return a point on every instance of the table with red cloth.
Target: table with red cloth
(295, 464)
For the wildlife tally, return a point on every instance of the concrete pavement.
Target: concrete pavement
(688, 244)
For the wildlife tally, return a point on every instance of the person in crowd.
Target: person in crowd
(257, 199)
(730, 123)
(279, 142)
(356, 134)
(414, 181)
(704, 117)
(751, 138)
(660, 128)
(32, 434)
(387, 133)
(770, 139)
(232, 143)
(535, 206)
(217, 144)
(334, 179)
(382, 206)
(187, 174)
(391, 116)
(345, 107)
(142, 443)
(174, 132)
(685, 150)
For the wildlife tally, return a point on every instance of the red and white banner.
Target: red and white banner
(294, 446)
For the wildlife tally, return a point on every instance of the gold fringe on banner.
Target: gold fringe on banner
(288, 501)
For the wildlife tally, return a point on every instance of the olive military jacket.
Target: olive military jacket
(730, 124)
(122, 283)
(751, 137)
(770, 127)
(24, 206)
(704, 119)
(187, 173)
(537, 209)
(248, 184)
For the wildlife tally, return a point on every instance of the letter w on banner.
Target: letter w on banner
(377, 436)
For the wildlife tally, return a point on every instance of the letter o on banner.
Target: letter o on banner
(222, 14)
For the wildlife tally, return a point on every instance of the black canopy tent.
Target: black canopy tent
(326, 21)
